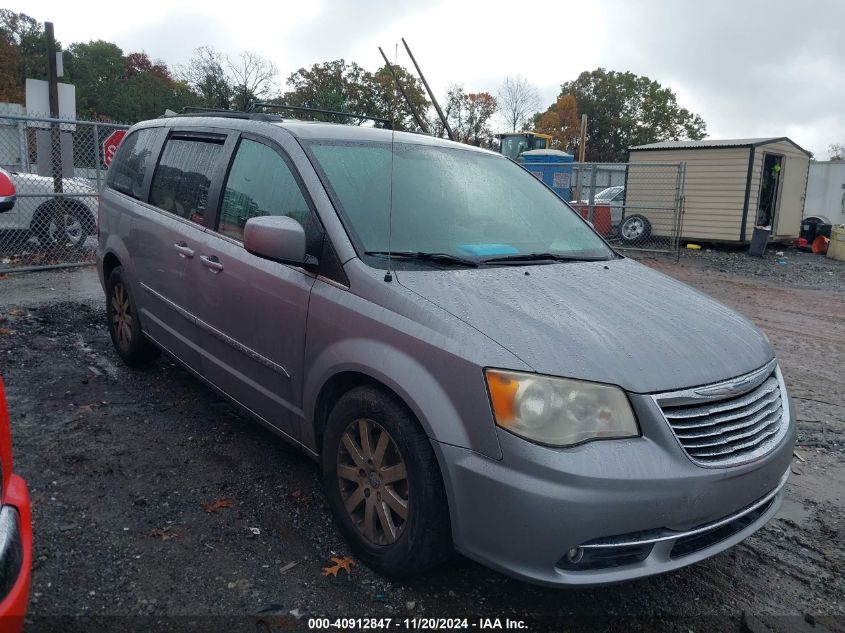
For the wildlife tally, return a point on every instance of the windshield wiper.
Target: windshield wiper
(444, 258)
(540, 257)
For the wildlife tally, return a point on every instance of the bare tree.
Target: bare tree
(252, 79)
(836, 151)
(206, 73)
(517, 101)
(226, 83)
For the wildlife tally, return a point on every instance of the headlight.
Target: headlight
(558, 411)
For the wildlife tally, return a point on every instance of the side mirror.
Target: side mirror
(7, 192)
(276, 237)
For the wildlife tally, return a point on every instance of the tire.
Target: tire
(78, 225)
(124, 327)
(396, 547)
(635, 229)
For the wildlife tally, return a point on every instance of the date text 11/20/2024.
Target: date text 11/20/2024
(408, 624)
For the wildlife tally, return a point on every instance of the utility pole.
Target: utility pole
(55, 135)
(430, 93)
(582, 146)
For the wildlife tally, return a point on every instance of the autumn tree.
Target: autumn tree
(333, 85)
(560, 121)
(111, 85)
(624, 109)
(469, 116)
(388, 102)
(24, 51)
(517, 100)
(11, 89)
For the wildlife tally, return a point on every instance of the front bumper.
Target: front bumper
(15, 555)
(642, 498)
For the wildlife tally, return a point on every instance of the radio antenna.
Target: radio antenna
(388, 276)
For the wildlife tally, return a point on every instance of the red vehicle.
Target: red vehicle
(15, 534)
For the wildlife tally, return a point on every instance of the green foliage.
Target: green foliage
(27, 44)
(347, 87)
(624, 109)
(121, 87)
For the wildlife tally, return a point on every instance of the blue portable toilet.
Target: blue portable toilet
(551, 166)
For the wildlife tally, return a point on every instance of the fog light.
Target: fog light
(574, 555)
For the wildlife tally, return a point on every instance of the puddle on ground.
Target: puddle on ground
(793, 512)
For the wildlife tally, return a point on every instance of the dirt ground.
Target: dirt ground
(120, 464)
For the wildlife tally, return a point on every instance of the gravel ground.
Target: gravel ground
(792, 268)
(120, 464)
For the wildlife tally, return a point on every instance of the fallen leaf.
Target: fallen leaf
(165, 534)
(3, 277)
(3, 319)
(16, 312)
(37, 499)
(255, 531)
(295, 495)
(87, 408)
(4, 331)
(217, 504)
(339, 563)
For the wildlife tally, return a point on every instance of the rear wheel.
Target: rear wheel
(124, 327)
(635, 229)
(384, 485)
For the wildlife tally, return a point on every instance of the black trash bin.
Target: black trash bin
(759, 239)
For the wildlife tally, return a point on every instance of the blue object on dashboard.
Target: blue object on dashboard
(489, 249)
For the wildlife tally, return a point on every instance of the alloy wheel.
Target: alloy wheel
(373, 481)
(633, 228)
(121, 315)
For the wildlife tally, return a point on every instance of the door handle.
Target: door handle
(183, 249)
(212, 263)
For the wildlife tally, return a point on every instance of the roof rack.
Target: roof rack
(228, 114)
(361, 117)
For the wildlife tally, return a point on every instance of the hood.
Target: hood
(616, 322)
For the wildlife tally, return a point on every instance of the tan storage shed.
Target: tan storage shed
(730, 186)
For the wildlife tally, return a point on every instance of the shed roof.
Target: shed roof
(710, 143)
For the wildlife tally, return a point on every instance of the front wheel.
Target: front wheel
(635, 229)
(384, 485)
(124, 327)
(78, 225)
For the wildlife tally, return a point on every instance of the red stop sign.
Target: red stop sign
(110, 145)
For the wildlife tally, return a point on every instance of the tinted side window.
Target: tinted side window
(129, 169)
(183, 176)
(260, 183)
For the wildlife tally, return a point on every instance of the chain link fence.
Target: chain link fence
(634, 206)
(58, 168)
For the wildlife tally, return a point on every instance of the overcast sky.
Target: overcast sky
(749, 67)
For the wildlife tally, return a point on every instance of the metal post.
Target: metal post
(679, 209)
(592, 191)
(55, 134)
(582, 143)
(430, 93)
(97, 156)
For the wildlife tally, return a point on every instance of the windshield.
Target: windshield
(454, 201)
(513, 146)
(608, 194)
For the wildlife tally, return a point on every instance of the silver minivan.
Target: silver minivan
(471, 365)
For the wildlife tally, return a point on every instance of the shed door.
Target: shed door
(794, 188)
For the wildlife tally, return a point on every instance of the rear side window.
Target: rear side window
(260, 183)
(183, 177)
(129, 170)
